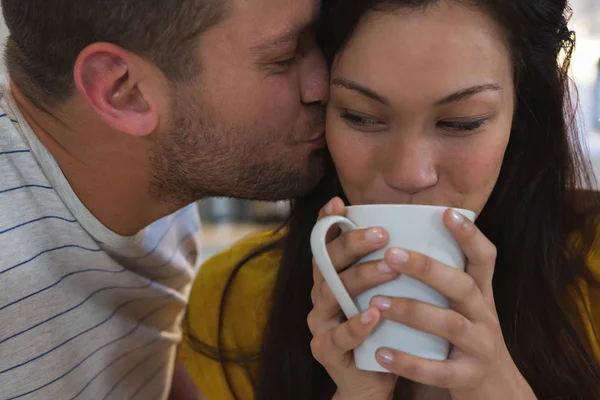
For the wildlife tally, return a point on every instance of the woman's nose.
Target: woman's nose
(410, 166)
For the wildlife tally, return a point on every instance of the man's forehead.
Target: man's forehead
(275, 23)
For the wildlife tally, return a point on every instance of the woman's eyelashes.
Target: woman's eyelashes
(360, 120)
(458, 126)
(462, 126)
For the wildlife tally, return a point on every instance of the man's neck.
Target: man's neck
(108, 171)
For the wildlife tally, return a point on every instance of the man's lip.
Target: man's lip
(316, 138)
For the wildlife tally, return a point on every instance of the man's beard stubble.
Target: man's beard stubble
(201, 158)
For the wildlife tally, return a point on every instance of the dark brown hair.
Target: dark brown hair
(532, 216)
(46, 37)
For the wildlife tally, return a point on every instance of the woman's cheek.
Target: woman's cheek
(354, 158)
(473, 170)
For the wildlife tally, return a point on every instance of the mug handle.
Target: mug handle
(330, 274)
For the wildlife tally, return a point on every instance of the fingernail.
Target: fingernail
(382, 303)
(385, 356)
(366, 318)
(457, 217)
(374, 235)
(399, 256)
(384, 268)
(329, 208)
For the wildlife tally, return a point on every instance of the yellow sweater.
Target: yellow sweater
(249, 303)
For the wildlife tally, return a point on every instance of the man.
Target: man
(119, 114)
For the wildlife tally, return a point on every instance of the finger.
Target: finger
(317, 324)
(349, 335)
(332, 346)
(356, 280)
(442, 322)
(458, 286)
(335, 206)
(351, 246)
(448, 374)
(317, 282)
(479, 251)
(348, 249)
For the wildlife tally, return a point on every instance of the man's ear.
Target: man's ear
(108, 78)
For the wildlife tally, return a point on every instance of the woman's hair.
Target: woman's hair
(539, 217)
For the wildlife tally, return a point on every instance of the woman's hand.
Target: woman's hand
(479, 365)
(333, 337)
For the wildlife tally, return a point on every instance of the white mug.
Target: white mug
(415, 228)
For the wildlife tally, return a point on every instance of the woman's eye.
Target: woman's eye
(360, 120)
(462, 126)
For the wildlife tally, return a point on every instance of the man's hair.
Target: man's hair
(47, 36)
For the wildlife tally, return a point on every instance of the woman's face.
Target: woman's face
(421, 107)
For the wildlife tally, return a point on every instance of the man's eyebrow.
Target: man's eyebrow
(284, 38)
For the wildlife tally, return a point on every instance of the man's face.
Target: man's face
(251, 124)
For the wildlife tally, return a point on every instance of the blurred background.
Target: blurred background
(227, 220)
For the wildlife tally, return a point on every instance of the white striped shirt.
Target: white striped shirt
(84, 313)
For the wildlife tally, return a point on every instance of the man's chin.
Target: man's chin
(312, 174)
(281, 183)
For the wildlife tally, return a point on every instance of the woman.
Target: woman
(453, 103)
